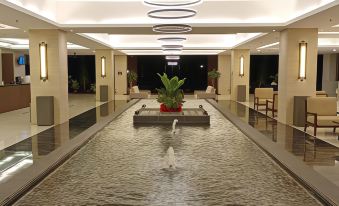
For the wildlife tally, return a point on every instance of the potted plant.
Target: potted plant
(75, 85)
(131, 78)
(93, 88)
(213, 75)
(171, 97)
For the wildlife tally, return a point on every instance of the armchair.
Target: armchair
(321, 112)
(261, 95)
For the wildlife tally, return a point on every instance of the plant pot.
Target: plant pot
(163, 108)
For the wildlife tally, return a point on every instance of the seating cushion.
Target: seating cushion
(209, 89)
(323, 106)
(324, 120)
(263, 93)
(263, 101)
(135, 89)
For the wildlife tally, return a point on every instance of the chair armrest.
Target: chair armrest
(312, 114)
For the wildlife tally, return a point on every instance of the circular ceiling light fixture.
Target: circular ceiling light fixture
(171, 13)
(172, 57)
(172, 39)
(172, 51)
(172, 28)
(172, 2)
(172, 46)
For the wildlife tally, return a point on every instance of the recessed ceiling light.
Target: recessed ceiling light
(71, 30)
(259, 50)
(274, 30)
(334, 50)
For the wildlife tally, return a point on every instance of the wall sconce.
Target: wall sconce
(241, 69)
(302, 60)
(103, 66)
(43, 61)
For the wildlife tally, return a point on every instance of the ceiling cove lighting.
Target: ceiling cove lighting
(172, 28)
(268, 45)
(172, 3)
(43, 61)
(302, 60)
(103, 66)
(172, 57)
(171, 13)
(172, 39)
(172, 51)
(241, 69)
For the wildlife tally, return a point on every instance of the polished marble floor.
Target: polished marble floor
(15, 126)
(29, 153)
(318, 155)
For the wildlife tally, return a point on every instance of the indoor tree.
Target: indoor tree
(213, 75)
(131, 78)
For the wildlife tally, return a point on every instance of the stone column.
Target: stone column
(0, 67)
(289, 85)
(236, 79)
(121, 75)
(57, 83)
(108, 80)
(224, 82)
(329, 82)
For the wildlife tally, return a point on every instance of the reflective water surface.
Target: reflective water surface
(125, 165)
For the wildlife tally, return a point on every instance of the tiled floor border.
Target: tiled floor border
(16, 187)
(320, 187)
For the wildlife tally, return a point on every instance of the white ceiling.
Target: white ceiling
(219, 25)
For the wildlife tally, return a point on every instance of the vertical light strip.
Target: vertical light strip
(43, 61)
(241, 70)
(302, 60)
(103, 66)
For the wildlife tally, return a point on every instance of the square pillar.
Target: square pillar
(121, 74)
(289, 85)
(224, 67)
(236, 78)
(56, 84)
(107, 81)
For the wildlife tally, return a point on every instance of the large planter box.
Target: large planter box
(153, 116)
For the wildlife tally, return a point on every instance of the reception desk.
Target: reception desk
(13, 97)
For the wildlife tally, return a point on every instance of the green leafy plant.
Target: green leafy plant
(171, 96)
(75, 85)
(131, 78)
(93, 88)
(213, 75)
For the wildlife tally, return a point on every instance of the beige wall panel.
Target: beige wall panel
(121, 74)
(224, 67)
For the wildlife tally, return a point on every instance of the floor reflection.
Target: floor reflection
(312, 151)
(24, 154)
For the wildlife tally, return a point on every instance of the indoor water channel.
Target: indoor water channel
(127, 165)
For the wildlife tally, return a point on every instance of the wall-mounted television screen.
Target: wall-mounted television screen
(21, 60)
